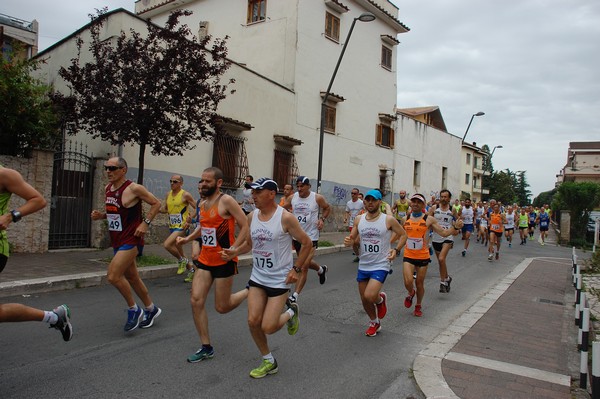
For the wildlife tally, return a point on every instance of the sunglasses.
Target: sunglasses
(174, 181)
(112, 168)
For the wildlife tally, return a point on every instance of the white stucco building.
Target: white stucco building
(284, 54)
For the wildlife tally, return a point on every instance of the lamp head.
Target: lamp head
(480, 113)
(366, 17)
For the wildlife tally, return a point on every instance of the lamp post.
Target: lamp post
(365, 17)
(471, 121)
(489, 163)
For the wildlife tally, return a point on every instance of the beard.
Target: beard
(402, 196)
(208, 191)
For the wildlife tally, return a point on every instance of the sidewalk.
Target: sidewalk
(518, 341)
(27, 274)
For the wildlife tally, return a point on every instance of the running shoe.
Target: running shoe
(382, 307)
(497, 255)
(414, 275)
(373, 329)
(182, 266)
(464, 252)
(294, 322)
(149, 316)
(202, 354)
(418, 312)
(490, 257)
(323, 275)
(291, 299)
(510, 244)
(448, 281)
(356, 259)
(409, 299)
(443, 287)
(190, 276)
(134, 317)
(266, 367)
(63, 324)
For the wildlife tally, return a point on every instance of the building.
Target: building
(583, 163)
(473, 172)
(283, 56)
(16, 34)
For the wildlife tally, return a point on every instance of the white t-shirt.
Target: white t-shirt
(306, 211)
(444, 219)
(354, 207)
(374, 243)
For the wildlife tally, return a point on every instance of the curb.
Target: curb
(427, 366)
(84, 280)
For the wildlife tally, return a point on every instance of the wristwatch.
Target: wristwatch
(16, 216)
(147, 221)
(297, 269)
(397, 251)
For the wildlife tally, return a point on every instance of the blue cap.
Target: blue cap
(264, 183)
(373, 193)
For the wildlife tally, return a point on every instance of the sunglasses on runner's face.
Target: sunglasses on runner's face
(174, 181)
(112, 168)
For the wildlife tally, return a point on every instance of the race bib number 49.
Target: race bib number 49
(114, 222)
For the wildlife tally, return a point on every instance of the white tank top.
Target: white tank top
(467, 215)
(306, 211)
(374, 243)
(510, 220)
(272, 256)
(444, 219)
(479, 212)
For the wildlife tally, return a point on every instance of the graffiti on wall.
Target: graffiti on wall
(339, 194)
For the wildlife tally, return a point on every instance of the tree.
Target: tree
(158, 89)
(580, 198)
(545, 198)
(521, 191)
(501, 185)
(27, 117)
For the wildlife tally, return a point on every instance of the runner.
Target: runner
(11, 182)
(288, 191)
(532, 221)
(401, 207)
(127, 228)
(483, 227)
(466, 214)
(416, 253)
(218, 215)
(273, 270)
(247, 203)
(374, 229)
(353, 208)
(496, 221)
(445, 217)
(543, 220)
(177, 205)
(509, 226)
(523, 225)
(305, 205)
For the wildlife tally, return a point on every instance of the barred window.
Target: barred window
(229, 155)
(285, 169)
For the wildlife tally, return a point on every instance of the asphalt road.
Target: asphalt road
(330, 357)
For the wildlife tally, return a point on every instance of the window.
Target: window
(476, 162)
(384, 136)
(229, 155)
(467, 178)
(256, 11)
(444, 177)
(468, 159)
(330, 113)
(332, 26)
(285, 169)
(475, 182)
(386, 57)
(417, 174)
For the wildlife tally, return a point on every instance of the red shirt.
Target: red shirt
(122, 222)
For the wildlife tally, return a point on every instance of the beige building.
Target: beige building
(18, 34)
(284, 54)
(473, 172)
(583, 163)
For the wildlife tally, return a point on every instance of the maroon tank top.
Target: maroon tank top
(122, 221)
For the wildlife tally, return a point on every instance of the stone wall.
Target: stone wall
(31, 233)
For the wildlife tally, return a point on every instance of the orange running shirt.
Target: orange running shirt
(496, 222)
(217, 233)
(417, 246)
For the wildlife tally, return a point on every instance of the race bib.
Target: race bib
(114, 222)
(402, 214)
(209, 237)
(414, 243)
(175, 219)
(262, 262)
(495, 227)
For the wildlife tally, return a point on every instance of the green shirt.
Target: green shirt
(4, 198)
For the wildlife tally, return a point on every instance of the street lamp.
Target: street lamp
(365, 17)
(488, 166)
(471, 121)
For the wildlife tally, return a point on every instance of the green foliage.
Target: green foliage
(592, 265)
(509, 187)
(545, 198)
(27, 118)
(580, 198)
(147, 260)
(159, 89)
(324, 243)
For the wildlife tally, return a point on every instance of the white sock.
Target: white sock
(134, 307)
(50, 317)
(295, 295)
(151, 307)
(380, 299)
(291, 312)
(376, 320)
(269, 357)
(320, 271)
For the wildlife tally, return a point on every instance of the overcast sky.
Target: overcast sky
(533, 67)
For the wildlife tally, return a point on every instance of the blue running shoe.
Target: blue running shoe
(133, 319)
(149, 316)
(202, 354)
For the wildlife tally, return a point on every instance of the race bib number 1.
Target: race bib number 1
(114, 222)
(414, 243)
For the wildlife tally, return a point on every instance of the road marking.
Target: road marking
(528, 372)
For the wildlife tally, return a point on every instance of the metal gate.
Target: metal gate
(71, 203)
